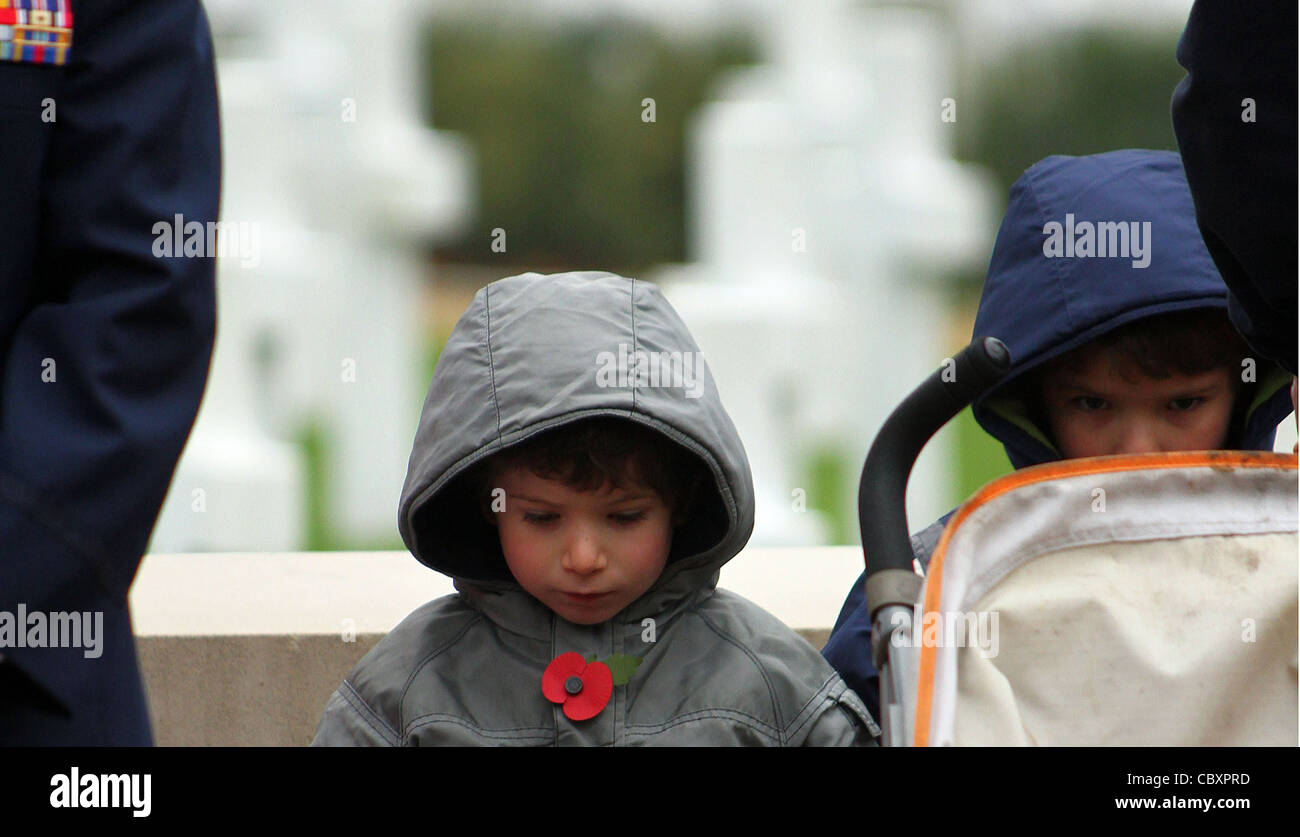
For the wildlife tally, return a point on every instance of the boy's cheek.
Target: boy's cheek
(1221, 427)
(1066, 424)
(522, 551)
(1078, 434)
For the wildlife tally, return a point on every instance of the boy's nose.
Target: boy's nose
(584, 554)
(1138, 437)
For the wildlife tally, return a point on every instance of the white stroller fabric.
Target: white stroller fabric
(1144, 600)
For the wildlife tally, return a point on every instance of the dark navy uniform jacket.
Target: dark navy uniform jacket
(1241, 158)
(104, 348)
(1043, 308)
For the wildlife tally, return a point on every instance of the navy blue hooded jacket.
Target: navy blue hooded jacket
(1044, 306)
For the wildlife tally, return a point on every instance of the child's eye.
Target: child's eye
(1182, 405)
(628, 516)
(540, 517)
(1089, 403)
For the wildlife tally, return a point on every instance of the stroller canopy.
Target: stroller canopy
(1115, 601)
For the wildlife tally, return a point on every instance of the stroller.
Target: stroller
(1117, 600)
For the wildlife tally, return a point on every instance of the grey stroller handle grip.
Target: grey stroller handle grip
(882, 490)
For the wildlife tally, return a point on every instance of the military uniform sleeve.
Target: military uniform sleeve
(848, 649)
(1234, 116)
(104, 347)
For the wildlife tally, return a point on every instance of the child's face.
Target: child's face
(1094, 410)
(584, 554)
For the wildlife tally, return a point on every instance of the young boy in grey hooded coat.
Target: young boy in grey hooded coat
(576, 475)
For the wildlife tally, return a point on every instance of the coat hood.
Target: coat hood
(534, 352)
(1087, 245)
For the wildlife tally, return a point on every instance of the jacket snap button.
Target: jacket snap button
(573, 684)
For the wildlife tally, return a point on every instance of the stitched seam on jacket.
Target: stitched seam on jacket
(811, 708)
(371, 718)
(415, 671)
(766, 730)
(771, 690)
(1058, 270)
(492, 367)
(555, 708)
(433, 718)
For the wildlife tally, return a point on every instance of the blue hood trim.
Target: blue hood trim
(1043, 306)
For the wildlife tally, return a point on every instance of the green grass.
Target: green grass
(312, 440)
(827, 470)
(980, 457)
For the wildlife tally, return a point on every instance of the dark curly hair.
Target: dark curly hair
(588, 454)
(1179, 343)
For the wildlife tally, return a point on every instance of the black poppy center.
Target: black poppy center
(573, 684)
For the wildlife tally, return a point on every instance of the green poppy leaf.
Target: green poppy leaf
(622, 666)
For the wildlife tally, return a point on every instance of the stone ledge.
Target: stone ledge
(245, 648)
(265, 691)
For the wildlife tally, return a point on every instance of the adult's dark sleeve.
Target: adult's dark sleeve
(1241, 165)
(104, 347)
(848, 649)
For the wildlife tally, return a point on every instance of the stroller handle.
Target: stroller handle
(882, 490)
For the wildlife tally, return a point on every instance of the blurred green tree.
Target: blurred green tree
(566, 164)
(1082, 93)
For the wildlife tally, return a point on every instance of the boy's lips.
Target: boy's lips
(585, 597)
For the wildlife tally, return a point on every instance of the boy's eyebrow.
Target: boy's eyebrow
(624, 499)
(1071, 383)
(630, 498)
(533, 499)
(1202, 390)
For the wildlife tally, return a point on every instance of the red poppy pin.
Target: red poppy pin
(583, 686)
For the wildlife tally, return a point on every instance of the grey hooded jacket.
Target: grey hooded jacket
(467, 669)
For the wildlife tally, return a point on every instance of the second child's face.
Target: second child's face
(584, 554)
(1094, 410)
